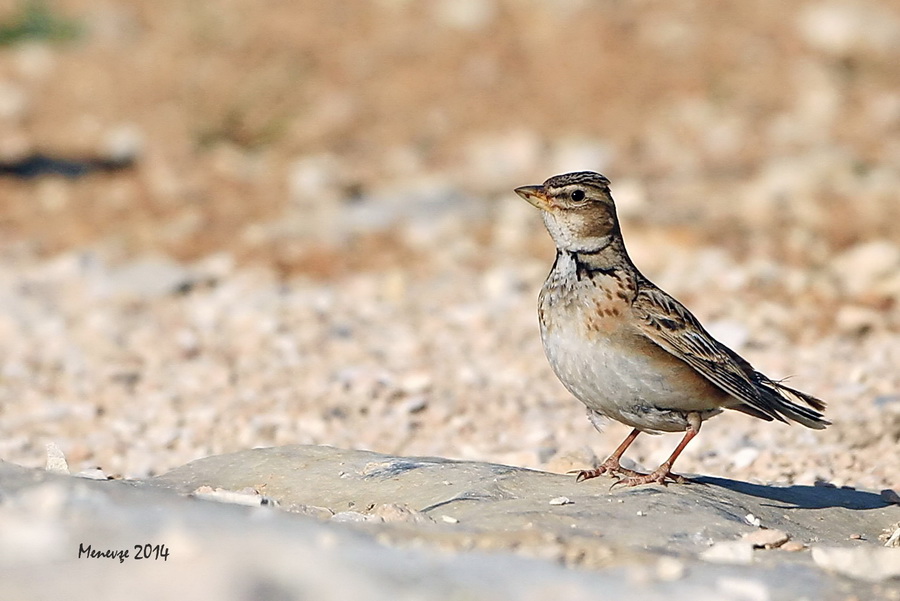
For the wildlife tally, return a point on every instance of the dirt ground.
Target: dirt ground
(295, 222)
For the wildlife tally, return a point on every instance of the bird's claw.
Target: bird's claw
(660, 476)
(582, 475)
(611, 469)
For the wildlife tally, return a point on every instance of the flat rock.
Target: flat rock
(329, 523)
(489, 498)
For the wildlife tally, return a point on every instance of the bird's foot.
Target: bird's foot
(661, 475)
(610, 466)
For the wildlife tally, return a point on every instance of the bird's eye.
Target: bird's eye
(577, 195)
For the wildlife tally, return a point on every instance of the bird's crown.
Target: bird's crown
(586, 178)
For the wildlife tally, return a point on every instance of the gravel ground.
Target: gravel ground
(317, 241)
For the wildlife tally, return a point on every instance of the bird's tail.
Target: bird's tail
(792, 404)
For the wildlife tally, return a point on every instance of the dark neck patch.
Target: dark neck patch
(583, 268)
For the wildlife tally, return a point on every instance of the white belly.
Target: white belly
(637, 384)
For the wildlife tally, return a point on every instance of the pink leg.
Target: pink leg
(663, 473)
(611, 465)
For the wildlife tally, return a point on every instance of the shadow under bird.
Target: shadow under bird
(626, 349)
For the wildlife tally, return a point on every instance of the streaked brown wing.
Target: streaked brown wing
(670, 325)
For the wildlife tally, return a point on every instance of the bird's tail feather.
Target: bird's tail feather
(792, 404)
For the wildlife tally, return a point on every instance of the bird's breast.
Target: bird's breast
(599, 354)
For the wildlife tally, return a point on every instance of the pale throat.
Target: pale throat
(569, 240)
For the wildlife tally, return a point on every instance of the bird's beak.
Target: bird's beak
(535, 195)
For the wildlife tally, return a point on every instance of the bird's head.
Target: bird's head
(577, 208)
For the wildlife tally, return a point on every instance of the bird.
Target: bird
(628, 350)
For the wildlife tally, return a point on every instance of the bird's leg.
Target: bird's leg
(611, 465)
(663, 473)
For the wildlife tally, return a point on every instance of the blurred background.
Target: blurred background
(247, 223)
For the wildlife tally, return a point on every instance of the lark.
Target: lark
(629, 351)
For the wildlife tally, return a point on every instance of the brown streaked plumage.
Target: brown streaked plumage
(628, 350)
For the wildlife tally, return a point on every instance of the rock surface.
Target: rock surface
(330, 523)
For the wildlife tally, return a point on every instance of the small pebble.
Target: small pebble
(561, 501)
(792, 546)
(56, 460)
(752, 520)
(93, 474)
(449, 519)
(766, 539)
(856, 537)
